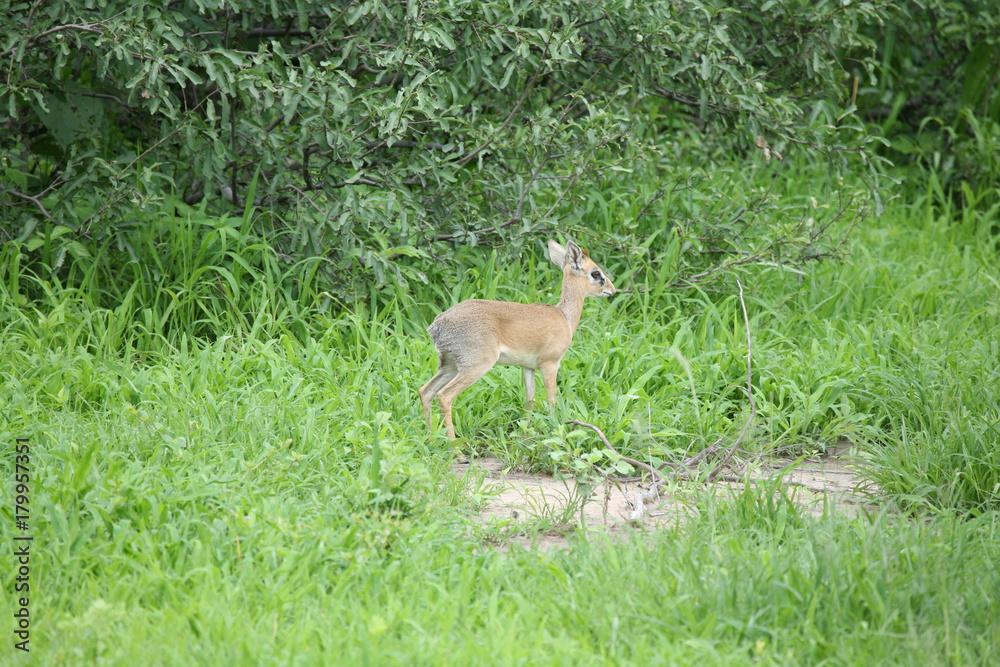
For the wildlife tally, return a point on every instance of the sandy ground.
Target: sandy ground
(516, 498)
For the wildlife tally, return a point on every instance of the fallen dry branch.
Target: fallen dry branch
(657, 476)
(652, 494)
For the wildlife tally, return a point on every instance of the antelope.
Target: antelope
(475, 335)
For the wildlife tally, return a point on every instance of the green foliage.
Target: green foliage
(266, 492)
(225, 228)
(384, 131)
(895, 349)
(937, 94)
(660, 372)
(190, 276)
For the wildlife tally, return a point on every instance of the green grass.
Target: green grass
(268, 493)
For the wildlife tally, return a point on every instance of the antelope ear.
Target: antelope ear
(557, 254)
(575, 257)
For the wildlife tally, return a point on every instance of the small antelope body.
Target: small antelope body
(477, 334)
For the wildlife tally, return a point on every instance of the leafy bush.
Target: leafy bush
(386, 131)
(937, 95)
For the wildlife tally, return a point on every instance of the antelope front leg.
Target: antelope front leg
(529, 385)
(549, 372)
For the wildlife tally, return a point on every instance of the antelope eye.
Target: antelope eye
(595, 274)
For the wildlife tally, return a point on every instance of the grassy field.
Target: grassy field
(256, 485)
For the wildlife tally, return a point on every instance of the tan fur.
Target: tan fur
(477, 334)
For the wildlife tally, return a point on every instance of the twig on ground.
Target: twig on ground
(638, 464)
(641, 497)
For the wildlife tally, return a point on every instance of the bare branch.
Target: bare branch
(87, 27)
(33, 199)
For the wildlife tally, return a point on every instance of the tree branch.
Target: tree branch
(88, 27)
(33, 199)
(510, 116)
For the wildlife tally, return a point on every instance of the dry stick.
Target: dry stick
(787, 482)
(653, 493)
(638, 464)
(690, 462)
(641, 497)
(753, 408)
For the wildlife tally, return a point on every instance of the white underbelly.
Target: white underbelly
(510, 357)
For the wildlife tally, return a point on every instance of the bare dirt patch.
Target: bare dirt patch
(518, 499)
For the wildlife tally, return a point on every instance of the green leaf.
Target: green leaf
(79, 478)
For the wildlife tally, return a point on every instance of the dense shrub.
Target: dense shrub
(382, 131)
